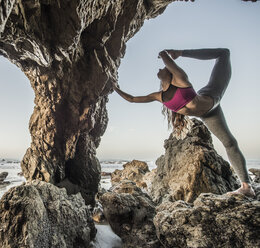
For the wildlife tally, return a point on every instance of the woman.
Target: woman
(178, 95)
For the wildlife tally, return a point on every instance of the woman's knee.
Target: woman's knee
(224, 52)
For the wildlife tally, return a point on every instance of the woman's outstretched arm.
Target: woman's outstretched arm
(156, 96)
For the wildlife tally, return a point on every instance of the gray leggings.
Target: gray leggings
(214, 118)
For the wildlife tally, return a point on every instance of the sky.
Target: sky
(138, 131)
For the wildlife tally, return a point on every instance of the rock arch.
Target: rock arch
(70, 50)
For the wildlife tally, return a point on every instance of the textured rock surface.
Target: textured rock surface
(256, 187)
(39, 214)
(191, 166)
(256, 173)
(70, 50)
(148, 179)
(130, 214)
(3, 176)
(134, 171)
(213, 221)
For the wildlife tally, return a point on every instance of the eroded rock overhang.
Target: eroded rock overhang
(70, 51)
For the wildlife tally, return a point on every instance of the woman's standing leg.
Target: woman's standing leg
(216, 123)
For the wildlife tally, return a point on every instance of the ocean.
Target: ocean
(13, 168)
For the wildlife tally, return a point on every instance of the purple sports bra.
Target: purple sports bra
(181, 97)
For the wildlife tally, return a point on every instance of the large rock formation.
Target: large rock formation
(190, 167)
(39, 214)
(212, 221)
(3, 176)
(134, 171)
(70, 50)
(130, 213)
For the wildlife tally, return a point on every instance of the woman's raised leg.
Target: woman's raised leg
(221, 72)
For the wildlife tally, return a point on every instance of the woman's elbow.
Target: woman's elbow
(131, 99)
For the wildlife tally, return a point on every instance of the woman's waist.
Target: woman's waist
(198, 106)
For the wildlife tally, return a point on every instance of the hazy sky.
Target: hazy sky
(139, 130)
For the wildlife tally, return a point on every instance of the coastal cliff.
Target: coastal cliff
(70, 51)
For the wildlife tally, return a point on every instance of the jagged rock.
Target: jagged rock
(3, 176)
(70, 51)
(213, 221)
(191, 166)
(256, 187)
(105, 174)
(130, 213)
(148, 179)
(134, 171)
(98, 213)
(39, 214)
(4, 184)
(256, 173)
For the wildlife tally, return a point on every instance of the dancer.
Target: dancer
(180, 98)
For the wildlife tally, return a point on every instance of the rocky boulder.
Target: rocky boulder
(148, 179)
(256, 173)
(134, 171)
(190, 167)
(39, 214)
(256, 187)
(3, 176)
(130, 214)
(212, 221)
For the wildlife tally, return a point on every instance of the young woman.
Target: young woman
(179, 97)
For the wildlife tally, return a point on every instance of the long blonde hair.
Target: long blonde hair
(180, 124)
(175, 121)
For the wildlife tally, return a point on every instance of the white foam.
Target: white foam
(106, 238)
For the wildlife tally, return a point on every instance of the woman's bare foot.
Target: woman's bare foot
(245, 189)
